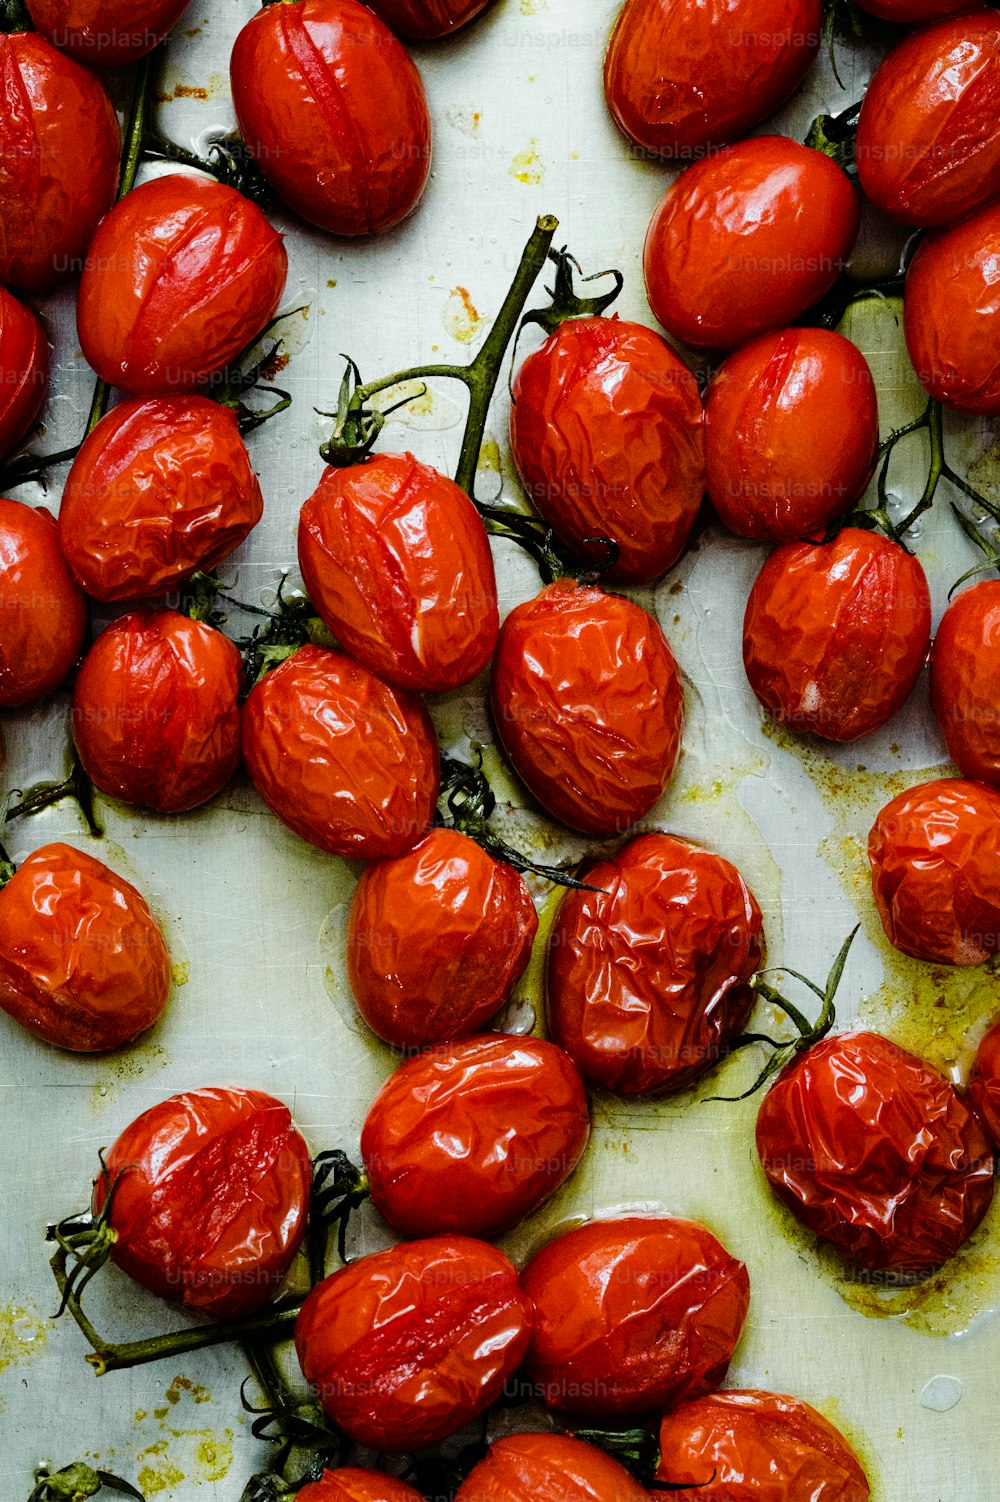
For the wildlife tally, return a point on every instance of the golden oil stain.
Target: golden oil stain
(192, 1455)
(527, 166)
(331, 281)
(489, 473)
(180, 972)
(23, 1335)
(139, 1415)
(194, 1390)
(159, 1474)
(533, 7)
(127, 1066)
(423, 406)
(832, 1408)
(463, 117)
(461, 317)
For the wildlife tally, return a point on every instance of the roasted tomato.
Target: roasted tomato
(928, 145)
(425, 20)
(791, 434)
(347, 762)
(181, 276)
(965, 664)
(534, 1467)
(648, 978)
(211, 1192)
(59, 145)
(835, 634)
(82, 960)
(589, 706)
(606, 428)
(397, 563)
(43, 615)
(407, 1346)
(984, 1084)
(633, 1315)
(437, 940)
(748, 239)
(350, 1484)
(472, 1136)
(24, 370)
(874, 1152)
(950, 312)
(155, 714)
(333, 109)
(681, 76)
(105, 33)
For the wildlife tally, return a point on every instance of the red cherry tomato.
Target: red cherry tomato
(928, 144)
(950, 310)
(347, 762)
(984, 1085)
(748, 239)
(437, 940)
(105, 33)
(352, 1485)
(648, 978)
(606, 428)
(43, 615)
(913, 12)
(180, 277)
(424, 20)
(965, 663)
(405, 1347)
(82, 959)
(396, 561)
(633, 1315)
(534, 1467)
(24, 370)
(472, 1136)
(155, 714)
(874, 1152)
(589, 706)
(333, 109)
(791, 434)
(681, 76)
(161, 488)
(211, 1191)
(835, 634)
(59, 145)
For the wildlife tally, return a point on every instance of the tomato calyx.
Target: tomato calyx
(835, 136)
(338, 1189)
(227, 160)
(638, 1450)
(565, 300)
(74, 1483)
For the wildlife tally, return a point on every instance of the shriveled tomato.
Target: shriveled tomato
(424, 20)
(913, 12)
(155, 714)
(180, 277)
(405, 1347)
(835, 634)
(396, 561)
(791, 434)
(589, 706)
(211, 1192)
(606, 429)
(349, 1484)
(633, 1315)
(530, 1467)
(43, 615)
(748, 239)
(24, 370)
(984, 1085)
(951, 308)
(333, 109)
(965, 670)
(345, 760)
(105, 33)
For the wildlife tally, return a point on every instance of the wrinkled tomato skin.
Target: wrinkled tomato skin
(349, 1484)
(951, 310)
(928, 143)
(43, 615)
(791, 434)
(872, 1150)
(746, 240)
(530, 1467)
(105, 33)
(606, 430)
(835, 634)
(437, 939)
(24, 370)
(588, 703)
(161, 488)
(965, 671)
(397, 562)
(333, 109)
(648, 978)
(83, 964)
(211, 1193)
(472, 1136)
(346, 761)
(405, 1347)
(426, 20)
(155, 711)
(180, 277)
(984, 1085)
(633, 1315)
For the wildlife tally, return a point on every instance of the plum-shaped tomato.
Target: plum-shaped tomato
(965, 681)
(24, 370)
(106, 33)
(530, 1467)
(425, 20)
(349, 1484)
(43, 615)
(984, 1085)
(951, 314)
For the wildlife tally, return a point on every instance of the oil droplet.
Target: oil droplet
(22, 1335)
(488, 473)
(461, 317)
(941, 1394)
(528, 165)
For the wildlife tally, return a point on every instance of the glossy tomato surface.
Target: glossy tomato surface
(405, 1347)
(333, 109)
(24, 370)
(647, 978)
(965, 681)
(425, 20)
(633, 1315)
(984, 1085)
(211, 1192)
(536, 1467)
(43, 615)
(835, 634)
(105, 33)
(437, 940)
(589, 706)
(748, 239)
(606, 430)
(180, 277)
(155, 714)
(951, 311)
(349, 1484)
(397, 562)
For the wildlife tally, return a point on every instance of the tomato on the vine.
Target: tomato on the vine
(950, 309)
(965, 665)
(43, 615)
(24, 370)
(984, 1085)
(425, 20)
(105, 33)
(349, 1484)
(533, 1467)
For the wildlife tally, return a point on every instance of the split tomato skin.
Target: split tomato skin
(965, 667)
(426, 20)
(528, 1467)
(350, 1484)
(43, 615)
(984, 1085)
(951, 305)
(24, 370)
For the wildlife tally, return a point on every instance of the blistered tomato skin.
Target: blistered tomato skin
(333, 109)
(633, 1315)
(407, 1346)
(748, 239)
(606, 430)
(951, 312)
(396, 561)
(791, 434)
(530, 1467)
(211, 1193)
(472, 1136)
(965, 681)
(984, 1085)
(105, 33)
(349, 1484)
(43, 615)
(835, 634)
(24, 370)
(426, 20)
